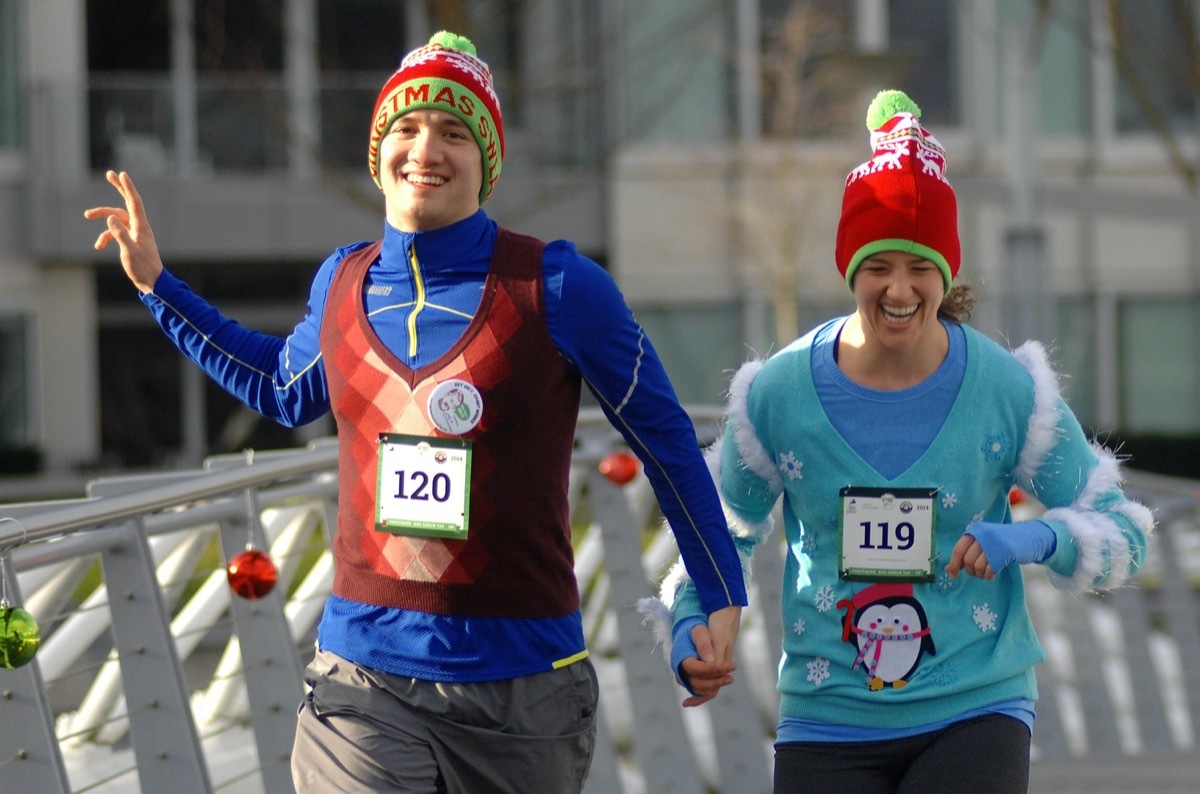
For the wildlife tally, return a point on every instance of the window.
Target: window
(807, 61)
(360, 43)
(1074, 356)
(240, 105)
(1160, 376)
(239, 36)
(1156, 60)
(11, 110)
(360, 35)
(14, 385)
(676, 71)
(129, 98)
(815, 73)
(111, 43)
(923, 39)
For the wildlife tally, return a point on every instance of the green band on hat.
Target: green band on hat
(433, 93)
(904, 246)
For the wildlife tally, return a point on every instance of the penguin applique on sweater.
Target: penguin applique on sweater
(889, 626)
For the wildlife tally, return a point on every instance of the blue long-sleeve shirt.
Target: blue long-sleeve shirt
(420, 297)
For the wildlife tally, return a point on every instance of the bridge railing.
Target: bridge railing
(152, 675)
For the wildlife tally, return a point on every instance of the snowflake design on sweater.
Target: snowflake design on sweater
(994, 447)
(791, 466)
(824, 599)
(984, 617)
(818, 671)
(808, 544)
(944, 674)
(799, 626)
(949, 500)
(943, 582)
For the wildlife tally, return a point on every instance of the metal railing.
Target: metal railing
(153, 676)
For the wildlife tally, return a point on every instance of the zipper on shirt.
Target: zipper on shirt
(418, 302)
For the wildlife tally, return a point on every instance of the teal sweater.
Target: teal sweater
(972, 640)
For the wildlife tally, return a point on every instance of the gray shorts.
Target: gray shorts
(360, 730)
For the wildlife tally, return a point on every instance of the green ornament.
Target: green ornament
(19, 637)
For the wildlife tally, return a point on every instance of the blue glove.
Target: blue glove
(1022, 542)
(682, 646)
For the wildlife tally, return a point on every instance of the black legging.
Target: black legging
(986, 755)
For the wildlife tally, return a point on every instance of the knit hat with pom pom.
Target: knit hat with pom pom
(899, 200)
(446, 75)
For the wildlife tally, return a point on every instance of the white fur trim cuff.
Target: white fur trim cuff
(657, 616)
(751, 450)
(1103, 551)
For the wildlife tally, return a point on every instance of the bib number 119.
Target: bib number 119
(901, 538)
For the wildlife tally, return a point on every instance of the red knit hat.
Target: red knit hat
(446, 75)
(899, 200)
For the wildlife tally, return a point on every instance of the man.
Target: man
(451, 654)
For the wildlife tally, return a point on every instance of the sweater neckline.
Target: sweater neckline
(849, 455)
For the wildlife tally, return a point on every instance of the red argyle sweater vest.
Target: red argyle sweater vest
(517, 560)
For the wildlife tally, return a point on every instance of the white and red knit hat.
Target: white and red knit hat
(447, 75)
(899, 200)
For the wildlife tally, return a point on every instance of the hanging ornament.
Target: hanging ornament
(19, 636)
(251, 574)
(620, 467)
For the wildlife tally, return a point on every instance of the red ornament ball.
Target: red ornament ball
(620, 467)
(252, 574)
(19, 637)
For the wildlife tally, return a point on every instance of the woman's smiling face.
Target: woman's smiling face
(898, 296)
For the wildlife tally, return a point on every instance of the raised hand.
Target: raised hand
(129, 228)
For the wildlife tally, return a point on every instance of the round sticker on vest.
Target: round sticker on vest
(455, 407)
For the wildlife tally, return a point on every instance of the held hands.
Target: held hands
(130, 229)
(713, 665)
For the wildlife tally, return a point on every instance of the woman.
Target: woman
(894, 436)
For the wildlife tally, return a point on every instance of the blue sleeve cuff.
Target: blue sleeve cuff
(1022, 542)
(682, 646)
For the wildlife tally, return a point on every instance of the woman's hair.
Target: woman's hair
(957, 305)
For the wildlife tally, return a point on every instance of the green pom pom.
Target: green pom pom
(453, 41)
(887, 104)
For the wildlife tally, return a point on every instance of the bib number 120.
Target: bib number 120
(419, 486)
(423, 486)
